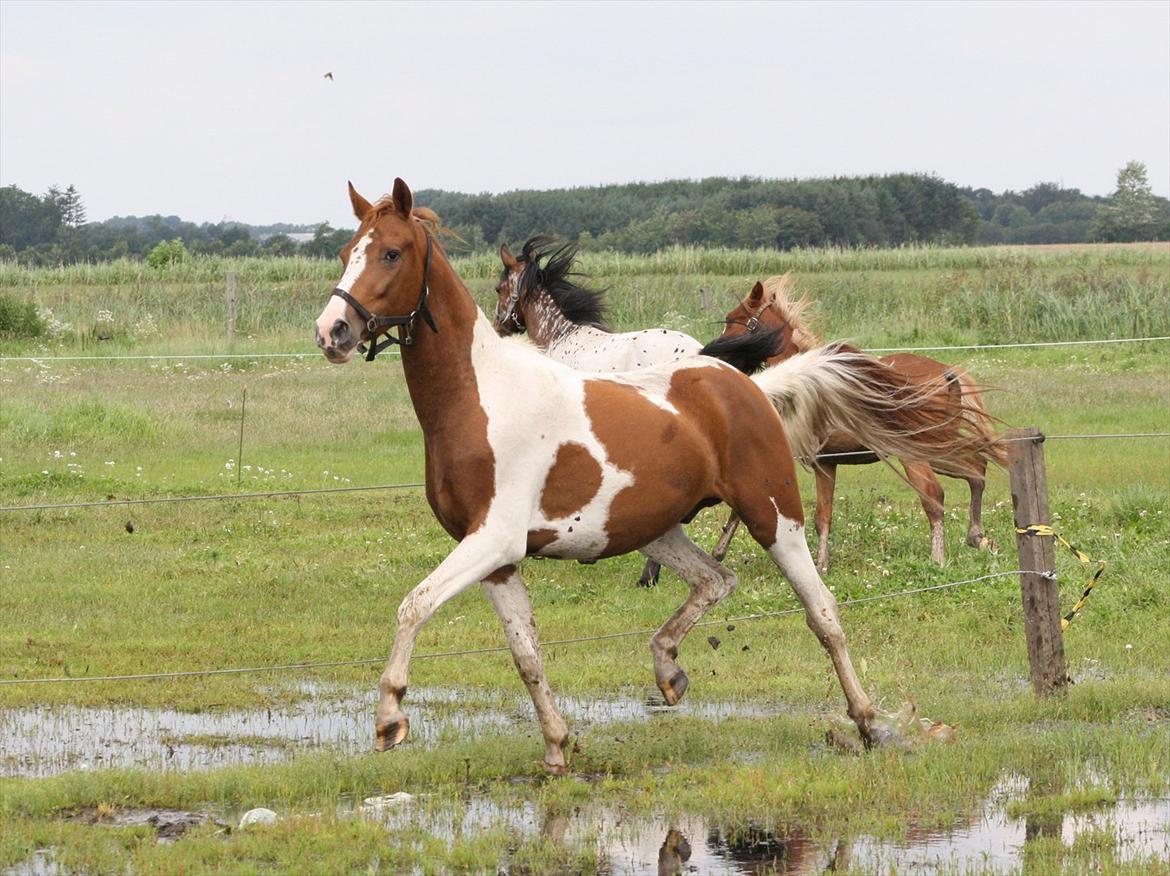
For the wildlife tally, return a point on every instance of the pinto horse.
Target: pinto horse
(525, 456)
(772, 306)
(538, 293)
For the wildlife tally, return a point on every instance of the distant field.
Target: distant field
(318, 578)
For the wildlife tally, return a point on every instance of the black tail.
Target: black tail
(746, 352)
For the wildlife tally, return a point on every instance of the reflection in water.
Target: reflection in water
(661, 846)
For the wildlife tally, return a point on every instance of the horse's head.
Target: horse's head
(769, 307)
(384, 282)
(540, 285)
(509, 314)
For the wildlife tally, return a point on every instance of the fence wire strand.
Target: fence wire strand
(497, 649)
(314, 355)
(271, 494)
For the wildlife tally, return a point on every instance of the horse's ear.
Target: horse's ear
(757, 294)
(507, 258)
(403, 199)
(361, 207)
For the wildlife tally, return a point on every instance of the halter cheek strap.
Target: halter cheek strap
(375, 325)
(512, 315)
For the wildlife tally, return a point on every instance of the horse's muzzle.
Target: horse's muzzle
(338, 347)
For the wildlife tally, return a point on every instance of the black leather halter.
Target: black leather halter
(375, 325)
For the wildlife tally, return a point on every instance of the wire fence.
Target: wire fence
(497, 649)
(314, 355)
(276, 494)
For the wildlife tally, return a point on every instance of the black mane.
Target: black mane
(548, 267)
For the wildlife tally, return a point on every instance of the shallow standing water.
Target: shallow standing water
(44, 740)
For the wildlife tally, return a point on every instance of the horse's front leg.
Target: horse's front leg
(505, 588)
(473, 559)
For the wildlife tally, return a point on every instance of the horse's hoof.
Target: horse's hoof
(982, 543)
(555, 769)
(389, 735)
(648, 581)
(674, 689)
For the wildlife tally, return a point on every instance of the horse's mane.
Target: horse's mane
(548, 266)
(782, 298)
(426, 217)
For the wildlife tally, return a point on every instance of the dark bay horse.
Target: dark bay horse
(525, 456)
(772, 306)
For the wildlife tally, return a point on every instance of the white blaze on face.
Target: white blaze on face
(336, 308)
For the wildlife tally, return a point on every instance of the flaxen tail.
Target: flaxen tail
(837, 388)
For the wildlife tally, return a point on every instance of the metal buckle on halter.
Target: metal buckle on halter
(752, 324)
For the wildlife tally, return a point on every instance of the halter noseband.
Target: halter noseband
(753, 322)
(375, 325)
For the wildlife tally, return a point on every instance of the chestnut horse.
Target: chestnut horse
(771, 306)
(525, 456)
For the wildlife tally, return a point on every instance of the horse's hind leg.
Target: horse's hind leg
(709, 582)
(784, 540)
(930, 494)
(649, 574)
(976, 481)
(505, 588)
(725, 537)
(826, 475)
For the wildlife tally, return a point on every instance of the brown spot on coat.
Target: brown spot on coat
(573, 480)
(500, 575)
(726, 442)
(538, 539)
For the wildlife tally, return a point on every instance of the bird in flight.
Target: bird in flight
(329, 76)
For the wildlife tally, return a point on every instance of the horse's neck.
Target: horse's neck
(547, 324)
(438, 365)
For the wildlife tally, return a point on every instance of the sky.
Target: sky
(214, 111)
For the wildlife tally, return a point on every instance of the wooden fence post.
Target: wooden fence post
(1041, 595)
(231, 306)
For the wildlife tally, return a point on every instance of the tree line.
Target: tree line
(891, 210)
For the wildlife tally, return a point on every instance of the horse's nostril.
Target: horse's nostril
(340, 332)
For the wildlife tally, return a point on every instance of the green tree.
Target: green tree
(72, 209)
(167, 252)
(26, 220)
(280, 245)
(1131, 214)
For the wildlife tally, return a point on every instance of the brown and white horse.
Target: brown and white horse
(772, 306)
(539, 294)
(525, 456)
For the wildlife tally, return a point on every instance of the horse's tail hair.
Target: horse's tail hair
(837, 388)
(747, 352)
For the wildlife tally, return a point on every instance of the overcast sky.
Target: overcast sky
(213, 111)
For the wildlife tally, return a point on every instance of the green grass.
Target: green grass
(318, 578)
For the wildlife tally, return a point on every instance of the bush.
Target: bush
(167, 252)
(19, 319)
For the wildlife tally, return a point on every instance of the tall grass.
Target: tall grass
(874, 297)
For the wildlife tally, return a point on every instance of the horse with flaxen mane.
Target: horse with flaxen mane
(772, 306)
(525, 456)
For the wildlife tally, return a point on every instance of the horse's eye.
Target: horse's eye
(392, 255)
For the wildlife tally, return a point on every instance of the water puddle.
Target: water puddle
(1123, 832)
(45, 740)
(992, 841)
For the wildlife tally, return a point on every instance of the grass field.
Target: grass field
(318, 578)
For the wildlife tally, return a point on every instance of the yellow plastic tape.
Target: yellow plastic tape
(1043, 529)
